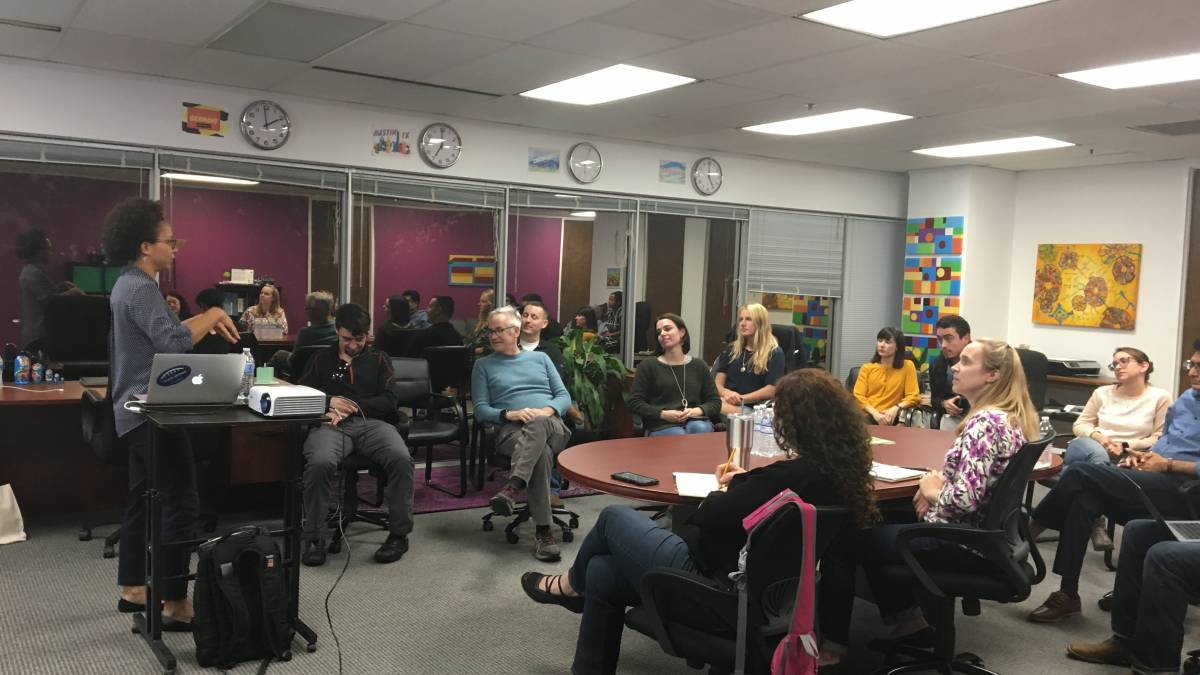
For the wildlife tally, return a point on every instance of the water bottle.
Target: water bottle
(247, 373)
(1046, 428)
(764, 432)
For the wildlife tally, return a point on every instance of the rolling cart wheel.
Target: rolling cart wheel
(511, 537)
(568, 536)
(488, 526)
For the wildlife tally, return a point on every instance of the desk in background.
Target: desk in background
(1070, 390)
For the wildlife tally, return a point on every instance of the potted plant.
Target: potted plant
(588, 368)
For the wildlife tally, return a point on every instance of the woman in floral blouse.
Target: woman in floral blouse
(988, 374)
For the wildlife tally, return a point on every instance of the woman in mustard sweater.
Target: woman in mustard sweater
(888, 384)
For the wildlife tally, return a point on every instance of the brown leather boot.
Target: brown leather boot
(1111, 652)
(1056, 608)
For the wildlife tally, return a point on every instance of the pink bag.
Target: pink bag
(797, 652)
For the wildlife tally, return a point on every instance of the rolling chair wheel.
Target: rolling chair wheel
(311, 648)
(488, 526)
(85, 535)
(109, 552)
(511, 537)
(573, 523)
(568, 536)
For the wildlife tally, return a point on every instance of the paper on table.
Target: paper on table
(893, 474)
(695, 484)
(875, 440)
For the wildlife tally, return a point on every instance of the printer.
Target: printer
(1072, 367)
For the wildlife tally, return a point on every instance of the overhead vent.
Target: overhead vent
(1172, 128)
(291, 33)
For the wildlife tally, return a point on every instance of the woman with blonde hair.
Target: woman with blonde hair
(268, 312)
(478, 341)
(747, 371)
(1001, 420)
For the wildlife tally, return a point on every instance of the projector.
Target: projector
(1071, 367)
(286, 400)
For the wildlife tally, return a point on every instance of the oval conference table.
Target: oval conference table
(592, 464)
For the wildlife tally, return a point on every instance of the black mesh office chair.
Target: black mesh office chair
(435, 419)
(1035, 366)
(76, 340)
(1002, 539)
(100, 434)
(486, 442)
(641, 326)
(695, 618)
(852, 378)
(299, 360)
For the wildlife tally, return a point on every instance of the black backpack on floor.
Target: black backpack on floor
(241, 600)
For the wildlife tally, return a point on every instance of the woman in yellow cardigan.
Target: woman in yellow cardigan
(888, 384)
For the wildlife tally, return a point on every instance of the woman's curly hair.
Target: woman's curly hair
(130, 223)
(32, 245)
(815, 417)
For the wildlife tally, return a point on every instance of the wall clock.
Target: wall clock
(707, 176)
(266, 125)
(584, 162)
(440, 145)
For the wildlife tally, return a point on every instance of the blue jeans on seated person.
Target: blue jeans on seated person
(694, 426)
(1086, 450)
(556, 481)
(607, 572)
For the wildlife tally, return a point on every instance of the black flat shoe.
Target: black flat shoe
(170, 625)
(392, 550)
(922, 639)
(126, 607)
(531, 582)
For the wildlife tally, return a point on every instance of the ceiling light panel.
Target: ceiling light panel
(200, 178)
(816, 124)
(886, 18)
(608, 84)
(293, 33)
(1141, 73)
(1001, 146)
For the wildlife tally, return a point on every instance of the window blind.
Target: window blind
(795, 253)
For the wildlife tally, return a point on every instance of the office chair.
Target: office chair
(789, 341)
(852, 378)
(299, 361)
(1001, 539)
(99, 432)
(426, 427)
(695, 618)
(399, 343)
(486, 442)
(1035, 366)
(1192, 665)
(641, 326)
(76, 340)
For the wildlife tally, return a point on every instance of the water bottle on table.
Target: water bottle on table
(247, 373)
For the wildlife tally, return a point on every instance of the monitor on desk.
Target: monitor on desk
(89, 278)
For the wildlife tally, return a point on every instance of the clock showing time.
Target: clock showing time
(439, 145)
(266, 125)
(707, 176)
(584, 162)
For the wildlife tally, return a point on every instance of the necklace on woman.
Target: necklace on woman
(681, 394)
(744, 352)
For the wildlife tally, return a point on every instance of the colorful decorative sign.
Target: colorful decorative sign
(612, 277)
(921, 312)
(204, 120)
(934, 236)
(472, 270)
(924, 348)
(1093, 285)
(544, 160)
(932, 276)
(390, 142)
(671, 171)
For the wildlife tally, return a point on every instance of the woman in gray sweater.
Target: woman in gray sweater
(674, 393)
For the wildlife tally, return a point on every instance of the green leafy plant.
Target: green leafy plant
(587, 368)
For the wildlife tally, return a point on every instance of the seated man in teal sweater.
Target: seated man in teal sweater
(522, 393)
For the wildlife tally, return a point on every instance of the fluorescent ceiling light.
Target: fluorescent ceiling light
(1002, 146)
(1141, 73)
(197, 178)
(885, 18)
(583, 214)
(815, 124)
(608, 84)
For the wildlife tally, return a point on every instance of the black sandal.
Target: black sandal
(531, 582)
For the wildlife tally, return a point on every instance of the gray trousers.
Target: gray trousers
(378, 441)
(532, 447)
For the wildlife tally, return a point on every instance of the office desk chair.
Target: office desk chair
(486, 441)
(1002, 539)
(299, 361)
(76, 340)
(435, 419)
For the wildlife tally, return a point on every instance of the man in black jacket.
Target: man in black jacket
(533, 339)
(362, 409)
(953, 333)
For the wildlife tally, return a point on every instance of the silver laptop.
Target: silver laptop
(1184, 530)
(194, 379)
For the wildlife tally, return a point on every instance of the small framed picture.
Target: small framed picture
(613, 277)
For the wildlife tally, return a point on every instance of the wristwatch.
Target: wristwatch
(504, 414)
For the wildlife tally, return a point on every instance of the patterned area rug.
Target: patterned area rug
(429, 500)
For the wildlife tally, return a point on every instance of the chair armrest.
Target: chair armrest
(1191, 496)
(992, 545)
(691, 597)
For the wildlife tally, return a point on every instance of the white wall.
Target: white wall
(871, 291)
(987, 251)
(55, 100)
(1135, 203)
(608, 250)
(695, 261)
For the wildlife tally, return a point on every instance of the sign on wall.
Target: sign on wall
(390, 142)
(932, 280)
(472, 270)
(1093, 285)
(204, 120)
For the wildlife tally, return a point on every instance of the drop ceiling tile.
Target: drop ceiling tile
(411, 52)
(769, 44)
(50, 12)
(787, 7)
(746, 113)
(1035, 26)
(293, 33)
(686, 19)
(646, 128)
(114, 52)
(28, 44)
(952, 75)
(418, 98)
(512, 20)
(388, 10)
(695, 97)
(540, 114)
(602, 41)
(182, 22)
(518, 68)
(874, 60)
(239, 70)
(1043, 110)
(327, 85)
(973, 97)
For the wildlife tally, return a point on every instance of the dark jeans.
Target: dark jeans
(1087, 491)
(873, 549)
(1157, 578)
(177, 487)
(622, 545)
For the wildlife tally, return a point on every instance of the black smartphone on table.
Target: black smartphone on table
(635, 478)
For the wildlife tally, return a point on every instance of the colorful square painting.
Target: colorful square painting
(782, 301)
(924, 348)
(671, 171)
(472, 270)
(810, 311)
(934, 236)
(1092, 285)
(932, 276)
(921, 312)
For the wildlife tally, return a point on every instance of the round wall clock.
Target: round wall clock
(266, 125)
(707, 176)
(439, 145)
(584, 162)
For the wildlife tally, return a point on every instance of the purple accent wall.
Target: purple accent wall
(223, 228)
(412, 250)
(68, 209)
(534, 249)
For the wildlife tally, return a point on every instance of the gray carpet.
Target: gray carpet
(452, 605)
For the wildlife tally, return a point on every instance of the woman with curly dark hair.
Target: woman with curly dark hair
(33, 248)
(828, 460)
